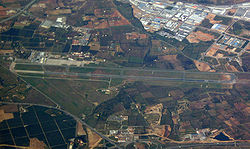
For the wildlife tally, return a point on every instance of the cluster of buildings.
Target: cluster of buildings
(60, 23)
(242, 10)
(128, 133)
(178, 20)
(80, 37)
(84, 33)
(122, 135)
(219, 27)
(222, 51)
(118, 118)
(232, 41)
(200, 135)
(75, 59)
(83, 37)
(77, 142)
(37, 57)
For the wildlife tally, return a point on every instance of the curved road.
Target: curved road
(76, 118)
(19, 12)
(175, 146)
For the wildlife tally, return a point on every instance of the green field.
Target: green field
(240, 28)
(174, 74)
(224, 20)
(120, 74)
(94, 70)
(30, 74)
(76, 97)
(194, 50)
(13, 89)
(28, 67)
(137, 73)
(81, 70)
(203, 76)
(181, 84)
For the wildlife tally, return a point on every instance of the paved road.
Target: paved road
(154, 78)
(235, 144)
(59, 108)
(175, 146)
(76, 118)
(134, 77)
(129, 68)
(19, 12)
(104, 137)
(143, 77)
(12, 70)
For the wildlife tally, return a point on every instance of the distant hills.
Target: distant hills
(215, 2)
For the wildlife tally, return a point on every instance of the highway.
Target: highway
(57, 107)
(174, 146)
(67, 113)
(19, 12)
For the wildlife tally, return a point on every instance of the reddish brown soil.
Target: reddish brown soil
(210, 17)
(196, 37)
(36, 144)
(202, 66)
(173, 60)
(93, 138)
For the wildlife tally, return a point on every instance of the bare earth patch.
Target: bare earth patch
(6, 51)
(173, 60)
(231, 68)
(36, 144)
(156, 109)
(140, 146)
(135, 35)
(59, 11)
(220, 55)
(9, 108)
(210, 17)
(226, 77)
(196, 37)
(212, 50)
(80, 130)
(101, 24)
(159, 130)
(94, 139)
(202, 66)
(5, 116)
(114, 18)
(231, 11)
(136, 10)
